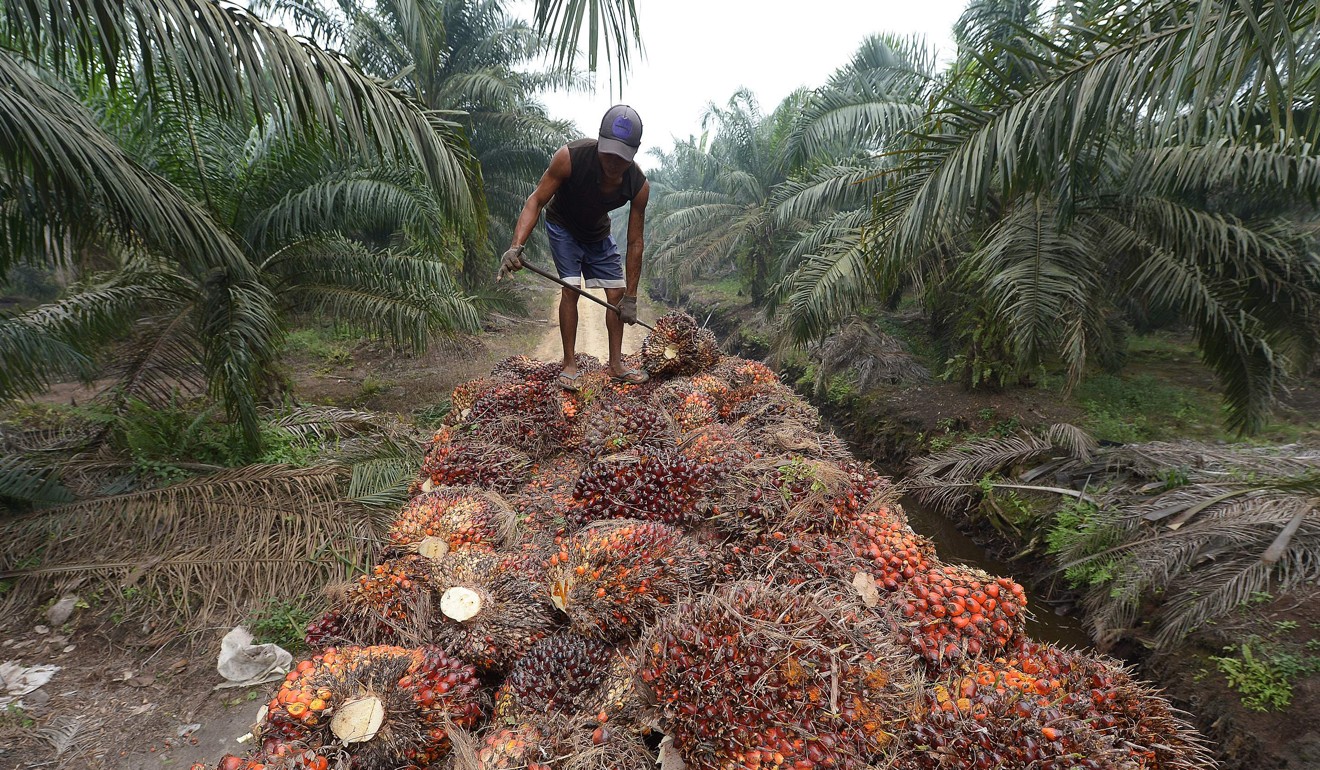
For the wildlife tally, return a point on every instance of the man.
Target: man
(586, 180)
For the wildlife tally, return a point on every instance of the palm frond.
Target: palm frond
(76, 168)
(232, 59)
(28, 482)
(611, 25)
(203, 552)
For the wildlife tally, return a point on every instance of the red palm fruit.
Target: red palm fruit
(719, 448)
(753, 676)
(556, 742)
(613, 578)
(325, 631)
(886, 547)
(643, 483)
(450, 519)
(464, 460)
(384, 605)
(545, 500)
(535, 417)
(487, 611)
(952, 612)
(1000, 727)
(786, 558)
(614, 424)
(678, 346)
(1103, 693)
(755, 406)
(279, 756)
(740, 372)
(689, 407)
(565, 674)
(380, 707)
(461, 399)
(790, 494)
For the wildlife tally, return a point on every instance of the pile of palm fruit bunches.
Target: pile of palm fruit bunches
(688, 570)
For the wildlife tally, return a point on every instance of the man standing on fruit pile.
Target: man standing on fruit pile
(586, 180)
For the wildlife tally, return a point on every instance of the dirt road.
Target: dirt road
(592, 337)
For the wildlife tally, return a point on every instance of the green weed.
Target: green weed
(1264, 678)
(283, 622)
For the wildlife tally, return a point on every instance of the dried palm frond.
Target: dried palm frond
(1210, 464)
(874, 358)
(201, 551)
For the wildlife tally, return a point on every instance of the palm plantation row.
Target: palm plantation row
(1069, 172)
(207, 175)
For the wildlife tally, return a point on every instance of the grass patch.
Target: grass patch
(1144, 408)
(328, 345)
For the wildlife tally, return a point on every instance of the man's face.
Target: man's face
(613, 164)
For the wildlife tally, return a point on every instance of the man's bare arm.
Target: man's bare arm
(554, 176)
(636, 240)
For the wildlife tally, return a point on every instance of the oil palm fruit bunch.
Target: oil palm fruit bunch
(555, 742)
(643, 483)
(613, 578)
(1101, 692)
(679, 346)
(951, 612)
(786, 558)
(751, 676)
(689, 407)
(451, 519)
(386, 707)
(756, 406)
(462, 398)
(886, 546)
(719, 448)
(789, 493)
(463, 459)
(616, 424)
(384, 605)
(565, 674)
(543, 501)
(285, 756)
(486, 612)
(532, 416)
(965, 725)
(741, 372)
(526, 368)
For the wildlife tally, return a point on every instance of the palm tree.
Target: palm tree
(726, 220)
(467, 58)
(71, 185)
(1146, 154)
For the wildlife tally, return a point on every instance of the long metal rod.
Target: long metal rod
(591, 297)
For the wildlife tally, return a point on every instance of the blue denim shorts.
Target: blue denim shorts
(590, 265)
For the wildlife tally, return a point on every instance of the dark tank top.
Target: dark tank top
(579, 206)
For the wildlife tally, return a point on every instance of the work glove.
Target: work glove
(511, 262)
(628, 310)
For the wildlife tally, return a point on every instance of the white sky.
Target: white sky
(701, 51)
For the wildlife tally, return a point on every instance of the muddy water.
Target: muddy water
(955, 547)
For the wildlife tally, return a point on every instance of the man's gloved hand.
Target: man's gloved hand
(511, 262)
(628, 310)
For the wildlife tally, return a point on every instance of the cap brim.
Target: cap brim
(615, 147)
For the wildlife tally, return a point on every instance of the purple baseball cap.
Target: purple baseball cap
(621, 131)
